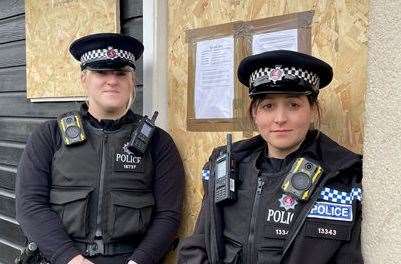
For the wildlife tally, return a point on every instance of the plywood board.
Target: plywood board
(51, 26)
(339, 36)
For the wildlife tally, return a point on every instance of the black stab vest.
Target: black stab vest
(102, 190)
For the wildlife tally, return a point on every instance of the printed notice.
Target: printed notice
(278, 40)
(214, 78)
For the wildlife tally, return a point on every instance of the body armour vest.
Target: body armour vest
(258, 223)
(102, 190)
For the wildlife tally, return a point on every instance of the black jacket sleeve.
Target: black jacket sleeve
(37, 220)
(167, 188)
(192, 250)
(351, 251)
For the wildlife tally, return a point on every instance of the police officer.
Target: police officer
(83, 194)
(298, 191)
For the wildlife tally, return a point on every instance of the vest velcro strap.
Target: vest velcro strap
(99, 248)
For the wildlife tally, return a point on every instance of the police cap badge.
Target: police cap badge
(106, 51)
(284, 71)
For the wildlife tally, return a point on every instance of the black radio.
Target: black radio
(301, 181)
(71, 128)
(142, 134)
(225, 176)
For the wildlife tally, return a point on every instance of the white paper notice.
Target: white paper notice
(214, 78)
(285, 39)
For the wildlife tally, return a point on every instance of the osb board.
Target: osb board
(51, 26)
(338, 36)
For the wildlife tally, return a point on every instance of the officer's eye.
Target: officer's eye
(294, 105)
(100, 72)
(267, 106)
(122, 73)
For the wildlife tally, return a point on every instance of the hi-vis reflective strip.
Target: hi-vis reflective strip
(335, 196)
(298, 164)
(81, 136)
(65, 138)
(317, 174)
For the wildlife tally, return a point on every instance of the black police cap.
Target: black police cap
(284, 71)
(106, 51)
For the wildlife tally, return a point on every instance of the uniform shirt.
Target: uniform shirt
(43, 226)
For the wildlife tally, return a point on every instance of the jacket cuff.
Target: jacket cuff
(141, 257)
(64, 255)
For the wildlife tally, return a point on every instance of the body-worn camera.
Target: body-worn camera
(71, 128)
(141, 136)
(226, 176)
(301, 181)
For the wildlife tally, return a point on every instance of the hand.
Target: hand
(132, 262)
(80, 260)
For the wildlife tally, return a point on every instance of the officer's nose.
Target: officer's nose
(280, 116)
(112, 78)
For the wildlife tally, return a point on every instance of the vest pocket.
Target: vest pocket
(72, 207)
(233, 252)
(130, 213)
(269, 254)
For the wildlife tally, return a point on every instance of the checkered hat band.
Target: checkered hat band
(333, 195)
(104, 54)
(309, 77)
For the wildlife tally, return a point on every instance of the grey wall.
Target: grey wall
(18, 117)
(382, 144)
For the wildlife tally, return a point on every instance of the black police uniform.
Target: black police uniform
(98, 198)
(266, 224)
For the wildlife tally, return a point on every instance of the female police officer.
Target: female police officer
(85, 196)
(298, 192)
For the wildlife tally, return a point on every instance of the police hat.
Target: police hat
(284, 71)
(104, 51)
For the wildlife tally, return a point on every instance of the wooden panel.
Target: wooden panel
(18, 130)
(7, 206)
(13, 79)
(12, 232)
(12, 29)
(338, 36)
(18, 106)
(10, 154)
(8, 254)
(134, 28)
(7, 179)
(11, 8)
(12, 54)
(137, 106)
(57, 73)
(130, 9)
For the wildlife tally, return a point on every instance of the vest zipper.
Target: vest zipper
(255, 210)
(298, 225)
(101, 187)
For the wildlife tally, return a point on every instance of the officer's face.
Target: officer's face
(108, 91)
(283, 121)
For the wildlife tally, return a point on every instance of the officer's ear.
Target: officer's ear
(84, 76)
